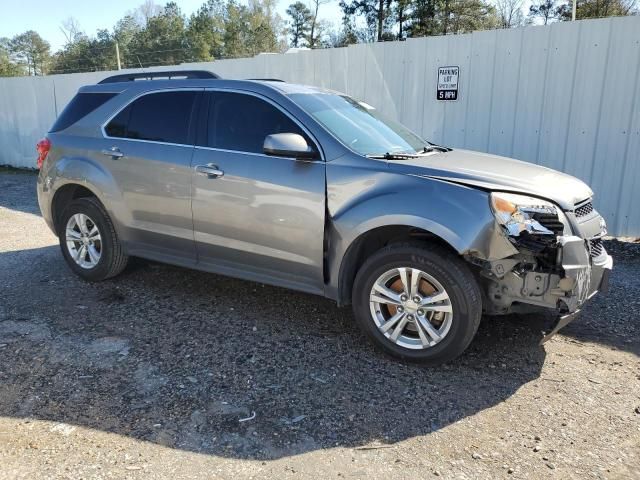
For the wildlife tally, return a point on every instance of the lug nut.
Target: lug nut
(401, 309)
(410, 317)
(417, 299)
(404, 298)
(421, 312)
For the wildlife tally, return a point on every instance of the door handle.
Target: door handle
(113, 152)
(209, 170)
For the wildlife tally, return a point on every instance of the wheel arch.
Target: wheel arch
(65, 194)
(419, 231)
(75, 177)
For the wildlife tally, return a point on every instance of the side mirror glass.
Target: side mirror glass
(288, 145)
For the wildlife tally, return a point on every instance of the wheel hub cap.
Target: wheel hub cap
(411, 308)
(83, 239)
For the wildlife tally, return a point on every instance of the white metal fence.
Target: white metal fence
(565, 96)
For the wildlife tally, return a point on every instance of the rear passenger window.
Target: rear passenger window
(241, 122)
(161, 117)
(79, 107)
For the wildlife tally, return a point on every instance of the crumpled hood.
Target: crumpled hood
(493, 172)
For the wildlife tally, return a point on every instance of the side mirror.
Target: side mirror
(288, 145)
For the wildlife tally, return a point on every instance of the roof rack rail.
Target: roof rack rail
(267, 80)
(130, 77)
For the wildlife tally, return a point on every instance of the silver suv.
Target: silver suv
(312, 190)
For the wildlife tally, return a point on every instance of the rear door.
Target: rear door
(262, 217)
(148, 146)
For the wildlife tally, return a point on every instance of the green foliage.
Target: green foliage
(597, 9)
(8, 68)
(205, 33)
(300, 26)
(30, 50)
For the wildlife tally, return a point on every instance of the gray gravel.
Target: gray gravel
(171, 373)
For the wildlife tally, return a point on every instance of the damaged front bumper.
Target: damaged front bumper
(580, 272)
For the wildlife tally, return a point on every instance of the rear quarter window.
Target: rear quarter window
(79, 107)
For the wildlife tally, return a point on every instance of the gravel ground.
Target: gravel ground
(171, 373)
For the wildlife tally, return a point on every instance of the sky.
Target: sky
(45, 16)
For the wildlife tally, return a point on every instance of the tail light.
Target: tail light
(43, 147)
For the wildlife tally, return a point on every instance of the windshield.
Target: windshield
(358, 125)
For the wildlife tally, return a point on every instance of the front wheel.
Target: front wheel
(417, 302)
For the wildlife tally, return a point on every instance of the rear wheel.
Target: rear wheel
(417, 302)
(89, 242)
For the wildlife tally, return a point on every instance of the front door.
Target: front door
(256, 216)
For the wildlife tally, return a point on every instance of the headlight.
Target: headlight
(520, 213)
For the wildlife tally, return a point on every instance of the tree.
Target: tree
(313, 34)
(32, 50)
(347, 35)
(162, 41)
(402, 12)
(423, 19)
(544, 9)
(301, 18)
(375, 12)
(7, 67)
(462, 16)
(597, 9)
(205, 32)
(71, 30)
(146, 12)
(510, 13)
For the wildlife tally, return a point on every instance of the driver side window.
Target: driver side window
(240, 122)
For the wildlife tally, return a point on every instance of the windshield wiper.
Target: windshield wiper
(393, 156)
(432, 146)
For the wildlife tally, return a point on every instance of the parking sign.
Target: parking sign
(448, 83)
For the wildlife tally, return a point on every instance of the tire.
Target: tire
(455, 322)
(112, 259)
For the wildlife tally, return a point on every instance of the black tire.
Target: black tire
(448, 269)
(113, 260)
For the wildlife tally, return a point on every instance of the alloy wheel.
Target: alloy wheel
(411, 308)
(84, 242)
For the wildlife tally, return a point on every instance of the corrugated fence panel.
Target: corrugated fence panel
(565, 95)
(505, 90)
(531, 93)
(628, 200)
(458, 55)
(587, 99)
(560, 83)
(480, 101)
(610, 162)
(434, 56)
(27, 112)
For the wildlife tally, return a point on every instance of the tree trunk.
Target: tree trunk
(380, 18)
(312, 40)
(446, 17)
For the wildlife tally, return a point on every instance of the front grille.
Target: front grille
(584, 209)
(596, 247)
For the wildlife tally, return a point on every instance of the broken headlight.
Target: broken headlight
(519, 214)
